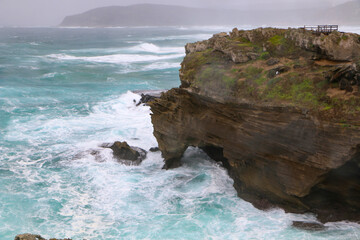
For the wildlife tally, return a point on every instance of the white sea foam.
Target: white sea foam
(152, 48)
(105, 200)
(141, 47)
(149, 67)
(115, 58)
(201, 36)
(50, 75)
(161, 65)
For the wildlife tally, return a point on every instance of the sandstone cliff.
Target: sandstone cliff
(281, 110)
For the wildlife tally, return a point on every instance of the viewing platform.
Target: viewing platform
(325, 29)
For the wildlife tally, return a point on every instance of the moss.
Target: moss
(344, 37)
(241, 39)
(247, 44)
(345, 125)
(277, 40)
(265, 56)
(293, 89)
(327, 108)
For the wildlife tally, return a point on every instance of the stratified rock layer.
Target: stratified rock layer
(289, 137)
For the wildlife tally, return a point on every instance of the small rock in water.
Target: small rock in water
(126, 154)
(308, 226)
(154, 149)
(28, 236)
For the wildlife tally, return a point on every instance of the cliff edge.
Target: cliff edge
(280, 109)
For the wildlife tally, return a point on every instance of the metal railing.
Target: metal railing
(326, 29)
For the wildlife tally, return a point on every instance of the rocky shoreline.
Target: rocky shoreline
(280, 109)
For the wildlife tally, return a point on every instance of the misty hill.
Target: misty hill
(347, 13)
(141, 15)
(165, 15)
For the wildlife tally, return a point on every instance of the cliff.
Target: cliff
(280, 109)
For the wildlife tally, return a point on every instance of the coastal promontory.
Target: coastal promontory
(280, 108)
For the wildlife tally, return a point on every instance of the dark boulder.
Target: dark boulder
(126, 154)
(154, 149)
(341, 72)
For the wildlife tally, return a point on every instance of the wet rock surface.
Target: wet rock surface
(309, 226)
(148, 96)
(154, 149)
(28, 236)
(126, 154)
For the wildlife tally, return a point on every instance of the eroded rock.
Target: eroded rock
(126, 154)
(288, 135)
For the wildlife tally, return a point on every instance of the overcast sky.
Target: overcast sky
(51, 12)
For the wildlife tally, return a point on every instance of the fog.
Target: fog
(52, 12)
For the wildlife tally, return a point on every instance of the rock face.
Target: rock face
(286, 132)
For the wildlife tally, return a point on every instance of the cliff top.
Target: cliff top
(279, 67)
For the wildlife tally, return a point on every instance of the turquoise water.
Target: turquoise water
(65, 91)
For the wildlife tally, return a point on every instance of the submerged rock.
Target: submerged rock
(288, 136)
(126, 154)
(309, 226)
(28, 236)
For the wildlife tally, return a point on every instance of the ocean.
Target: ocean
(65, 91)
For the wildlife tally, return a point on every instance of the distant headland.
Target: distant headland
(169, 15)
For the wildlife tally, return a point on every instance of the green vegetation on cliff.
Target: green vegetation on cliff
(279, 67)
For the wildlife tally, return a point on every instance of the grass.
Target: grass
(252, 73)
(194, 61)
